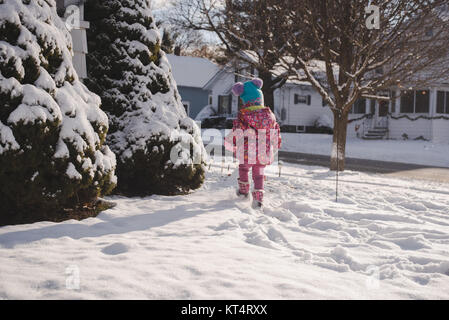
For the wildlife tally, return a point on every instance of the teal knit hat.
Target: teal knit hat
(249, 91)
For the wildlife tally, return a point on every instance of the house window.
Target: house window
(422, 104)
(407, 101)
(303, 99)
(283, 114)
(393, 101)
(442, 101)
(415, 101)
(224, 104)
(210, 100)
(359, 106)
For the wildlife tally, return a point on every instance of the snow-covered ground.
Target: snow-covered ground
(386, 238)
(416, 152)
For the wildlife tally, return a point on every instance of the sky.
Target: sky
(158, 4)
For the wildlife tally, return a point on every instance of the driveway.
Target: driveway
(402, 170)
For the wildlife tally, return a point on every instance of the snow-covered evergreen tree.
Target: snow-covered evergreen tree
(131, 73)
(52, 130)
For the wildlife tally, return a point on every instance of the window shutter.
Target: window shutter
(220, 105)
(309, 99)
(447, 101)
(323, 102)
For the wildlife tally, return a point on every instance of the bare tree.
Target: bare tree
(363, 54)
(248, 30)
(175, 38)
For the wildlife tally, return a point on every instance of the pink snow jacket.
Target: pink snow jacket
(255, 136)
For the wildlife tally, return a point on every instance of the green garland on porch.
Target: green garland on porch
(406, 116)
(365, 116)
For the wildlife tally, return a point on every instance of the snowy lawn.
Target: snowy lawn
(386, 238)
(416, 152)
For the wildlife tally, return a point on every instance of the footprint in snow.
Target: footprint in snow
(413, 206)
(115, 248)
(413, 243)
(258, 238)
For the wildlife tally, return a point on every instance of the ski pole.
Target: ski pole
(280, 163)
(338, 161)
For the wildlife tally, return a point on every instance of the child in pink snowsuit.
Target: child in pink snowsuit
(255, 138)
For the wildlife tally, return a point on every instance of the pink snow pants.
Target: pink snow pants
(258, 176)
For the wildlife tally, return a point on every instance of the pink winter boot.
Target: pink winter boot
(257, 198)
(243, 190)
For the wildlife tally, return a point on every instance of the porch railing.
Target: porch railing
(382, 122)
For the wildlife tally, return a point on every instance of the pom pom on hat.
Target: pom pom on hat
(257, 82)
(237, 89)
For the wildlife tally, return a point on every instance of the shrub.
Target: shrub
(131, 73)
(52, 131)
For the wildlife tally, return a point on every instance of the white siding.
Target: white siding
(440, 131)
(279, 102)
(350, 131)
(222, 86)
(440, 127)
(413, 129)
(79, 40)
(299, 114)
(79, 63)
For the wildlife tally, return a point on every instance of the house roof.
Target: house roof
(228, 69)
(192, 71)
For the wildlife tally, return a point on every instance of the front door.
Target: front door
(382, 113)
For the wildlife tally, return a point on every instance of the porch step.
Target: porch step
(367, 137)
(380, 129)
(376, 133)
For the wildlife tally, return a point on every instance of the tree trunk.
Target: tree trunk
(269, 98)
(339, 142)
(267, 90)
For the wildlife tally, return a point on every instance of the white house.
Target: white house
(222, 100)
(78, 33)
(421, 113)
(297, 105)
